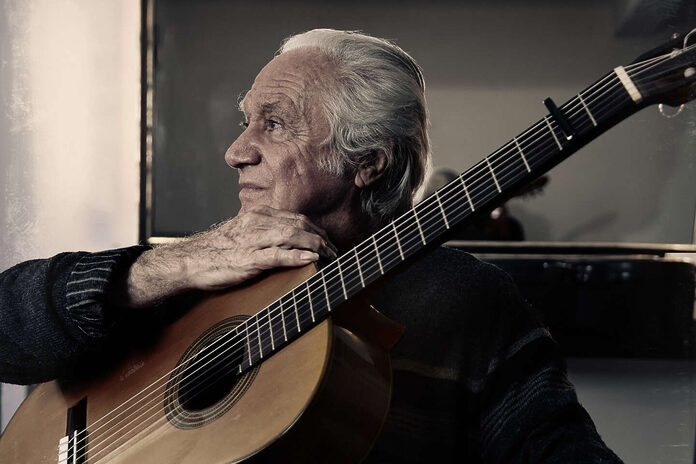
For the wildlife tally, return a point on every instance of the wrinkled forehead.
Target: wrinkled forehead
(293, 80)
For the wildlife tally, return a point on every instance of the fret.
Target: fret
(420, 231)
(379, 260)
(282, 318)
(560, 147)
(524, 158)
(258, 335)
(340, 276)
(326, 291)
(309, 297)
(235, 353)
(471, 204)
(398, 243)
(357, 261)
(246, 327)
(442, 210)
(594, 123)
(270, 329)
(297, 314)
(351, 271)
(497, 185)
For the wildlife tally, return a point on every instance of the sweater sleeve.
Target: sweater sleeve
(55, 311)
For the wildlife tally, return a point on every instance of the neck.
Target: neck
(349, 231)
(348, 226)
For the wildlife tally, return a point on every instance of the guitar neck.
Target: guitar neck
(496, 177)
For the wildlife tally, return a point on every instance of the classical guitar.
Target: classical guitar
(262, 373)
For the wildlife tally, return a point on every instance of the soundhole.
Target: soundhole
(206, 383)
(209, 381)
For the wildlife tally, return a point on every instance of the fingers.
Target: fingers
(254, 241)
(267, 227)
(269, 258)
(290, 237)
(299, 221)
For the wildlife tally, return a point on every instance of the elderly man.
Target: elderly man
(334, 146)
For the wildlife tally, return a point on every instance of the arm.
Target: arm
(228, 255)
(56, 311)
(53, 311)
(530, 412)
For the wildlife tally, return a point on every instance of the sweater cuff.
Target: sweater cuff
(90, 286)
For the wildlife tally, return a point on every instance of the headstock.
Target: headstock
(667, 74)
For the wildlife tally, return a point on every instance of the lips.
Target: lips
(249, 192)
(250, 185)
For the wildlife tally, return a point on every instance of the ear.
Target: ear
(369, 173)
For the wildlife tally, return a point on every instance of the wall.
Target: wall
(69, 130)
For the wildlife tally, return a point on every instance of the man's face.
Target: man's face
(277, 154)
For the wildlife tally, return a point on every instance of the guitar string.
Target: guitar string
(257, 322)
(255, 329)
(214, 381)
(92, 453)
(93, 431)
(443, 196)
(209, 384)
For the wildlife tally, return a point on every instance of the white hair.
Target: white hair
(377, 105)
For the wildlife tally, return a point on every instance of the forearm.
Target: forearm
(54, 311)
(157, 274)
(227, 255)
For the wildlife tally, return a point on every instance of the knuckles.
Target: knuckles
(288, 232)
(302, 222)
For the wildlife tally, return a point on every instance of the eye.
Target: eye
(243, 124)
(274, 124)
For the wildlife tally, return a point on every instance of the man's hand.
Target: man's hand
(229, 254)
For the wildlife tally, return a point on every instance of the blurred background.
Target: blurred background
(107, 139)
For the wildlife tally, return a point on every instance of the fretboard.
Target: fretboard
(525, 157)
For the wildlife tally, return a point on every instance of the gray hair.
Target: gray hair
(377, 105)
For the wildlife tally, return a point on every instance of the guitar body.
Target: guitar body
(322, 398)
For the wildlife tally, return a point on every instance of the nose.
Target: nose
(243, 151)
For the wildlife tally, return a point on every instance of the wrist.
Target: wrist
(156, 275)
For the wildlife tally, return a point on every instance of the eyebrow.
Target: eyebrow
(269, 107)
(279, 106)
(290, 114)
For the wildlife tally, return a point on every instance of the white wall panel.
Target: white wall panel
(69, 128)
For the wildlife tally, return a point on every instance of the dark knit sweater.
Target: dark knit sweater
(476, 377)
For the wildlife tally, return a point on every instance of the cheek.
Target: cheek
(298, 183)
(288, 178)
(292, 165)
